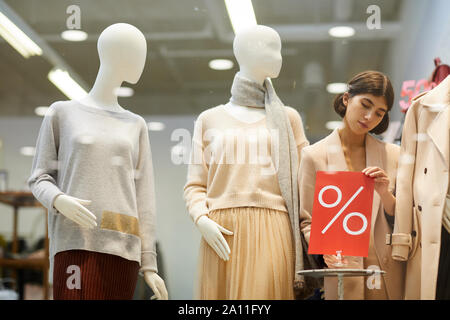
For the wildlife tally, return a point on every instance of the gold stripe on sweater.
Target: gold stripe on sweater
(120, 222)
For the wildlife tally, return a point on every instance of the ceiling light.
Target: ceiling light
(28, 151)
(74, 35)
(17, 38)
(41, 111)
(64, 82)
(155, 126)
(341, 32)
(241, 14)
(221, 64)
(337, 87)
(124, 92)
(331, 125)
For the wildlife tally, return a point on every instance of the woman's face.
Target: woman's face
(364, 112)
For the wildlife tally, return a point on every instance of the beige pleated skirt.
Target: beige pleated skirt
(261, 264)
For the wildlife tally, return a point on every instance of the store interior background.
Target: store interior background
(177, 83)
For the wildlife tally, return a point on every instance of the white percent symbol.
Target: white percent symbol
(348, 216)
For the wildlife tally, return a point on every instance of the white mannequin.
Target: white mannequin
(122, 50)
(258, 53)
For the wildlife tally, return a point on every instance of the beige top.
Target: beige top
(232, 165)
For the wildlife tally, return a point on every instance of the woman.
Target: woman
(365, 109)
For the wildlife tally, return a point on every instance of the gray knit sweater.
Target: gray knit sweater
(103, 156)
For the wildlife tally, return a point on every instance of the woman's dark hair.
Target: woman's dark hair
(372, 82)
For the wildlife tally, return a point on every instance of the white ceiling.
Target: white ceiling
(184, 35)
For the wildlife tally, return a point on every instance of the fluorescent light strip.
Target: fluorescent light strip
(17, 38)
(241, 14)
(64, 82)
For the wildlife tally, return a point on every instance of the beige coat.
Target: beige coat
(422, 185)
(328, 155)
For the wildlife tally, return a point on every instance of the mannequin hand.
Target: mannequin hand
(72, 208)
(212, 233)
(381, 179)
(157, 284)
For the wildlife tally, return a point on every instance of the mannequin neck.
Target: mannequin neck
(245, 113)
(103, 94)
(252, 75)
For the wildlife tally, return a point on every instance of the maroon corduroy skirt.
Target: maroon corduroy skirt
(87, 275)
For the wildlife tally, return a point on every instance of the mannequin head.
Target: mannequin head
(122, 49)
(366, 104)
(258, 51)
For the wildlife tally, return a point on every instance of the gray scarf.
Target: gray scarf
(245, 92)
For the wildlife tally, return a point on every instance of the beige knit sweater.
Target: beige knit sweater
(231, 163)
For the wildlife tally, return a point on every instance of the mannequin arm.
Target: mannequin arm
(195, 192)
(73, 209)
(306, 182)
(212, 233)
(157, 285)
(145, 201)
(195, 189)
(44, 171)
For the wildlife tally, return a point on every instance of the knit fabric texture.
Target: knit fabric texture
(103, 156)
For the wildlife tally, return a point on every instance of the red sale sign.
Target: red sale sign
(342, 212)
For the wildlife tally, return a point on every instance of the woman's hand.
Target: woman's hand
(381, 186)
(381, 179)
